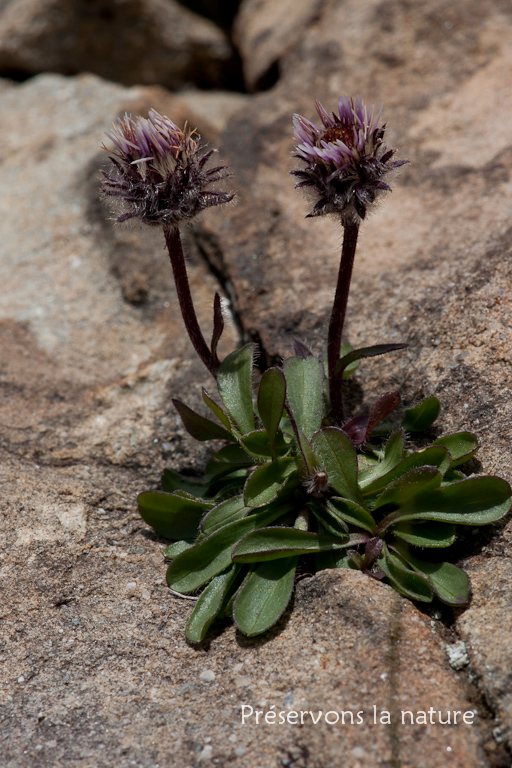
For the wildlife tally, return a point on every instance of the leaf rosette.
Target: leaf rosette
(289, 485)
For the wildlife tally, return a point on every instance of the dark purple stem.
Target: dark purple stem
(337, 320)
(179, 269)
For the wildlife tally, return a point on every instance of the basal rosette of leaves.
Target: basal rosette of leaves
(289, 484)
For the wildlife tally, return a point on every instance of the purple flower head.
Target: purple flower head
(345, 161)
(158, 173)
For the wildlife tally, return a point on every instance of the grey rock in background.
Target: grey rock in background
(265, 31)
(128, 41)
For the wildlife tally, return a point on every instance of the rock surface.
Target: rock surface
(95, 670)
(265, 31)
(129, 41)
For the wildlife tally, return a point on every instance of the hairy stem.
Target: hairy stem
(337, 320)
(179, 269)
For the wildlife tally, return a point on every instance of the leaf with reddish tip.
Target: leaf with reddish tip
(357, 429)
(382, 408)
(301, 350)
(218, 325)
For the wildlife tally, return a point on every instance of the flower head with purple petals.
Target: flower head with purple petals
(344, 162)
(158, 173)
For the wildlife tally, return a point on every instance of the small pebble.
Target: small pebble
(21, 679)
(131, 587)
(207, 675)
(457, 655)
(206, 753)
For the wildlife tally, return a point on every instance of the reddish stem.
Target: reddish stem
(179, 269)
(337, 320)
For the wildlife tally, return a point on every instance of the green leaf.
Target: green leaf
(404, 490)
(263, 597)
(209, 605)
(422, 416)
(429, 534)
(449, 583)
(172, 515)
(338, 458)
(453, 476)
(309, 461)
(228, 461)
(349, 370)
(329, 518)
(265, 482)
(304, 383)
(172, 481)
(271, 400)
(404, 580)
(234, 382)
(461, 445)
(393, 454)
(176, 548)
(210, 556)
(226, 512)
(351, 513)
(217, 410)
(228, 485)
(257, 444)
(338, 558)
(275, 543)
(359, 354)
(434, 456)
(233, 455)
(198, 426)
(475, 501)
